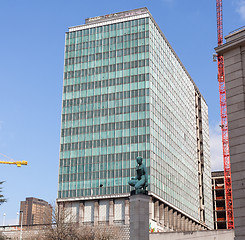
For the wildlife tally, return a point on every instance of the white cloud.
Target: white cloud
(241, 9)
(216, 148)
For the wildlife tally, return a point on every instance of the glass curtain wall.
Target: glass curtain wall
(105, 113)
(174, 174)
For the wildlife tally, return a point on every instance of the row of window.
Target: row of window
(112, 67)
(82, 175)
(105, 55)
(106, 83)
(106, 112)
(106, 69)
(107, 28)
(106, 97)
(107, 41)
(95, 191)
(105, 142)
(105, 127)
(104, 158)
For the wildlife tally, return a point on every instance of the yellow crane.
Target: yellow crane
(17, 163)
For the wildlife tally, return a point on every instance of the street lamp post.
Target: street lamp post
(17, 219)
(21, 220)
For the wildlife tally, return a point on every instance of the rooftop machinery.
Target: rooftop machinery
(224, 122)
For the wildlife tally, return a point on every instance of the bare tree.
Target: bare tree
(65, 227)
(62, 227)
(2, 237)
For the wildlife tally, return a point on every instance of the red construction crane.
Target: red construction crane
(224, 122)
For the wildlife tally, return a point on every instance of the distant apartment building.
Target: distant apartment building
(35, 211)
(219, 204)
(233, 52)
(127, 94)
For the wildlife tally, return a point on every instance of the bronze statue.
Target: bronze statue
(141, 179)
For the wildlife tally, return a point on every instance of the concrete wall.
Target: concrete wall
(117, 232)
(200, 235)
(234, 59)
(124, 234)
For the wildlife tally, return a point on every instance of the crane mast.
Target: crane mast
(224, 122)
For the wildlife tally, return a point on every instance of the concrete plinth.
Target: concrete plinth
(139, 217)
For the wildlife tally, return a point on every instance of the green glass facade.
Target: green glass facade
(173, 144)
(105, 114)
(126, 94)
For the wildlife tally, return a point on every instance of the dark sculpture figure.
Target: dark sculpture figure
(141, 179)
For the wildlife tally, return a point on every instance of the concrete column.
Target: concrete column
(196, 227)
(179, 222)
(190, 225)
(199, 227)
(127, 212)
(171, 218)
(156, 211)
(96, 213)
(139, 217)
(81, 213)
(186, 224)
(111, 212)
(183, 223)
(166, 218)
(161, 214)
(175, 220)
(61, 209)
(193, 227)
(150, 208)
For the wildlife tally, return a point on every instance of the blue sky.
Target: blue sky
(31, 66)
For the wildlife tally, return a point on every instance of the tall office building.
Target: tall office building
(127, 94)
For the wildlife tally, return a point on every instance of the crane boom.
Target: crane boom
(17, 163)
(224, 121)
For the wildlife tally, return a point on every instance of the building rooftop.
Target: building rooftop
(127, 16)
(123, 14)
(234, 39)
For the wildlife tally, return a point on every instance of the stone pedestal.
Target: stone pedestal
(139, 217)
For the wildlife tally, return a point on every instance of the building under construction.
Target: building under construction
(127, 94)
(219, 201)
